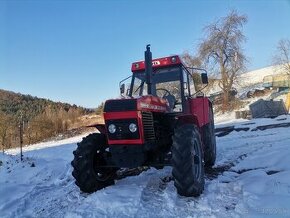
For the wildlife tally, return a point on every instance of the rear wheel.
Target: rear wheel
(89, 164)
(187, 161)
(209, 140)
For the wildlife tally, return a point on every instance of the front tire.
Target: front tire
(89, 164)
(187, 161)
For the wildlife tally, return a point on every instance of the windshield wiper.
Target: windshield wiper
(139, 87)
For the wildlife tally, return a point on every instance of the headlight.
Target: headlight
(112, 128)
(133, 127)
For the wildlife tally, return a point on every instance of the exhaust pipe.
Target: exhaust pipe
(148, 70)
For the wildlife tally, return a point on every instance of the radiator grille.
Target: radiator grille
(148, 126)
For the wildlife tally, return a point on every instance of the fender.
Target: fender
(187, 119)
(100, 127)
(199, 107)
(197, 112)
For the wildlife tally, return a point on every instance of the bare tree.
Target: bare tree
(193, 61)
(282, 56)
(221, 50)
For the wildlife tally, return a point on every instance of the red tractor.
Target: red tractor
(160, 120)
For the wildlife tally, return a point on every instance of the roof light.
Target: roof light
(156, 63)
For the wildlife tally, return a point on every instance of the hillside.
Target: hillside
(14, 104)
(40, 118)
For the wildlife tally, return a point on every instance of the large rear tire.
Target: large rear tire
(209, 141)
(187, 161)
(89, 164)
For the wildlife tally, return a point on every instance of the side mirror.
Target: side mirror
(204, 78)
(128, 92)
(122, 89)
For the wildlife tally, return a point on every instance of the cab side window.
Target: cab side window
(185, 83)
(191, 85)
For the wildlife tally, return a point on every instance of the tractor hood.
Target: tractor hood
(143, 103)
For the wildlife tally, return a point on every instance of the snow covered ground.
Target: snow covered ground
(250, 179)
(256, 76)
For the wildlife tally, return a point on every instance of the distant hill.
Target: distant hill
(16, 103)
(40, 118)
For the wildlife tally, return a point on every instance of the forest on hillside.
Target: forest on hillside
(36, 118)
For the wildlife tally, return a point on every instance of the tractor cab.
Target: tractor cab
(170, 81)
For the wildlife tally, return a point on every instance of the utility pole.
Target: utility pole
(21, 135)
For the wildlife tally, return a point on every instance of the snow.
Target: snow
(224, 118)
(256, 76)
(253, 180)
(251, 80)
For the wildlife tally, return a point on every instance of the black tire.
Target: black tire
(209, 141)
(187, 161)
(88, 156)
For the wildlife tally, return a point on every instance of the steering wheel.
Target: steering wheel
(169, 97)
(167, 93)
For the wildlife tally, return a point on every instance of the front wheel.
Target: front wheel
(89, 165)
(187, 161)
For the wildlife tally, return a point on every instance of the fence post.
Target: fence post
(21, 136)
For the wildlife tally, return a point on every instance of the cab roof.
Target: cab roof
(157, 63)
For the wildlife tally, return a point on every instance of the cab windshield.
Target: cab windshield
(166, 84)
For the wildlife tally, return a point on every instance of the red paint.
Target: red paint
(121, 115)
(196, 112)
(144, 103)
(157, 63)
(199, 107)
(152, 103)
(126, 115)
(126, 142)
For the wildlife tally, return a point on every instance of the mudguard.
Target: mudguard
(198, 112)
(100, 127)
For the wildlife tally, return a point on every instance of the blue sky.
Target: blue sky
(78, 51)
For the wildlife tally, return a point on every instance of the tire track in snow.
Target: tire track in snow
(52, 200)
(221, 197)
(152, 197)
(159, 198)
